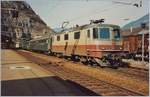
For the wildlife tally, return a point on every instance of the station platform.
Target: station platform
(21, 77)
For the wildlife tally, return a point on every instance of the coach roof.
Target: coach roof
(41, 38)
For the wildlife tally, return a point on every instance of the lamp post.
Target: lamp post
(142, 47)
(143, 25)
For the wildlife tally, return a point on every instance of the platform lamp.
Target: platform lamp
(143, 26)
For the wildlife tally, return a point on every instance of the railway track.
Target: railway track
(98, 86)
(130, 72)
(142, 74)
(136, 73)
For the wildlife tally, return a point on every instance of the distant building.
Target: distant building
(132, 35)
(132, 41)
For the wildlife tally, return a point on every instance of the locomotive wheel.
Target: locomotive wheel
(75, 58)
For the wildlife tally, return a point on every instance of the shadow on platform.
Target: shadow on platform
(44, 86)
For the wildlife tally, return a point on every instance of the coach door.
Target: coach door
(50, 40)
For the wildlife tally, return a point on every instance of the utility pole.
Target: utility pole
(143, 26)
(142, 47)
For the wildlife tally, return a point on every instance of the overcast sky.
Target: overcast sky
(55, 12)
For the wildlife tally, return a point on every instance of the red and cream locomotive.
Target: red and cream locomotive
(93, 43)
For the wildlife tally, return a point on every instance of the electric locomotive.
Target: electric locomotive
(94, 43)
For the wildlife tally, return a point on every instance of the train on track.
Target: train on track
(93, 43)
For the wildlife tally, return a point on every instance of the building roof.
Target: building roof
(135, 31)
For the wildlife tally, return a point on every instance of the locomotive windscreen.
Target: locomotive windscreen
(104, 33)
(116, 34)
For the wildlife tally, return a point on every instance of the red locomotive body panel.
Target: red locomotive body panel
(87, 50)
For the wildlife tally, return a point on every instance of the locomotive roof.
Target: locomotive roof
(87, 26)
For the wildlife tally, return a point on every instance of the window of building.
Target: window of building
(104, 33)
(58, 38)
(15, 14)
(66, 37)
(76, 35)
(88, 33)
(95, 33)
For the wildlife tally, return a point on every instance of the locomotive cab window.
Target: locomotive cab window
(95, 33)
(76, 35)
(104, 33)
(116, 34)
(58, 38)
(66, 37)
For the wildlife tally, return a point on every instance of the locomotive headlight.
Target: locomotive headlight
(103, 48)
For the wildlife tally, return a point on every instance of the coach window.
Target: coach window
(58, 38)
(52, 39)
(66, 37)
(76, 35)
(88, 33)
(95, 33)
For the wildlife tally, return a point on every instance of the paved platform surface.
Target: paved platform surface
(21, 77)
